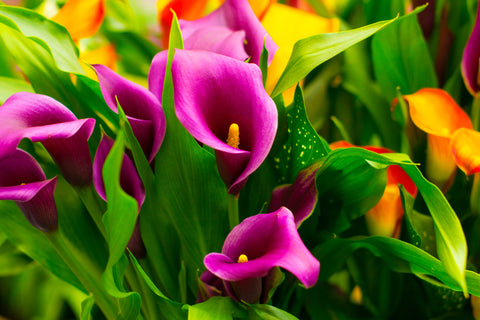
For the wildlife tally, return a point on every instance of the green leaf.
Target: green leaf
(450, 239)
(38, 64)
(398, 255)
(420, 227)
(141, 161)
(9, 86)
(303, 144)
(165, 307)
(401, 58)
(263, 64)
(87, 305)
(215, 308)
(357, 80)
(310, 52)
(50, 35)
(119, 221)
(451, 242)
(349, 183)
(268, 312)
(33, 242)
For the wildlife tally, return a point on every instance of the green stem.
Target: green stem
(475, 113)
(475, 195)
(88, 273)
(233, 210)
(95, 208)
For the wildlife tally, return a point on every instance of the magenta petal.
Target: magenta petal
(23, 181)
(43, 119)
(235, 15)
(213, 91)
(470, 60)
(268, 240)
(138, 104)
(129, 179)
(299, 197)
(218, 39)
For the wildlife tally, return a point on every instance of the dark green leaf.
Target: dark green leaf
(215, 308)
(401, 58)
(303, 144)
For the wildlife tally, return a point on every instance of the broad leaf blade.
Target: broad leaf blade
(310, 52)
(54, 36)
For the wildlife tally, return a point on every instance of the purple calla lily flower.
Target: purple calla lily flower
(216, 32)
(142, 108)
(41, 118)
(299, 197)
(129, 181)
(470, 60)
(256, 246)
(23, 181)
(222, 103)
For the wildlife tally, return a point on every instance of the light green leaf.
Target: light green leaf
(451, 242)
(33, 242)
(87, 306)
(50, 35)
(310, 52)
(9, 86)
(268, 312)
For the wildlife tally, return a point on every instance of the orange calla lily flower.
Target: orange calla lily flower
(435, 112)
(465, 145)
(385, 218)
(286, 25)
(82, 18)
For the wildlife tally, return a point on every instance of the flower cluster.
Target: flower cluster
(204, 159)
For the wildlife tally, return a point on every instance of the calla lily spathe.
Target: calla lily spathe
(82, 18)
(43, 119)
(255, 247)
(233, 21)
(213, 94)
(143, 110)
(436, 113)
(465, 147)
(300, 197)
(23, 181)
(470, 60)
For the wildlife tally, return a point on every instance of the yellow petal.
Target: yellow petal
(435, 112)
(82, 18)
(286, 25)
(103, 55)
(465, 144)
